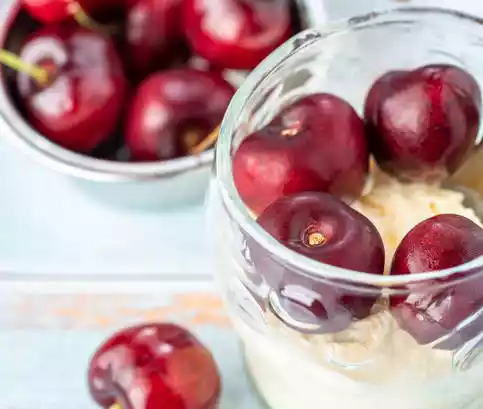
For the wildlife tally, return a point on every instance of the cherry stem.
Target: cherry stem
(316, 239)
(14, 62)
(84, 20)
(206, 143)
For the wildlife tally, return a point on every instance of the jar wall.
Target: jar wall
(298, 358)
(330, 341)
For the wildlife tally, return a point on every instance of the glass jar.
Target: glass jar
(299, 358)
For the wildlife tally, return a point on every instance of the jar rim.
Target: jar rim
(223, 163)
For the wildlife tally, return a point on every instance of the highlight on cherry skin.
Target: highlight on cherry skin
(323, 228)
(433, 309)
(153, 366)
(154, 36)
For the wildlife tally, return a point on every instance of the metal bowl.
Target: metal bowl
(157, 184)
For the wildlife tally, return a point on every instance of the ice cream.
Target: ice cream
(373, 362)
(395, 207)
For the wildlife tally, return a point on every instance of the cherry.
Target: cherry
(154, 366)
(154, 34)
(423, 123)
(81, 104)
(53, 11)
(173, 111)
(325, 229)
(315, 144)
(236, 34)
(434, 308)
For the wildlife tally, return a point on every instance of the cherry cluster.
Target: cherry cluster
(149, 74)
(298, 172)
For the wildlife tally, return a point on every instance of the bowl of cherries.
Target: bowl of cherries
(127, 96)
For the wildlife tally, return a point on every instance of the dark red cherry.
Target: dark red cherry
(423, 123)
(81, 105)
(315, 144)
(154, 35)
(54, 11)
(433, 309)
(325, 229)
(173, 111)
(154, 366)
(236, 34)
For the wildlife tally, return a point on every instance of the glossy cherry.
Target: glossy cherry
(423, 123)
(173, 111)
(325, 229)
(79, 108)
(316, 144)
(154, 34)
(436, 307)
(53, 11)
(236, 34)
(154, 366)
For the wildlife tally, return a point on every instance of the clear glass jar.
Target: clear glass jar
(296, 360)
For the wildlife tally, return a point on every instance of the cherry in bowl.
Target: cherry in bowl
(154, 36)
(152, 366)
(325, 229)
(173, 111)
(440, 310)
(81, 102)
(236, 34)
(54, 11)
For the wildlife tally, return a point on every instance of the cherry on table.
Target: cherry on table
(173, 111)
(152, 366)
(325, 229)
(236, 34)
(317, 143)
(154, 35)
(434, 308)
(81, 104)
(422, 124)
